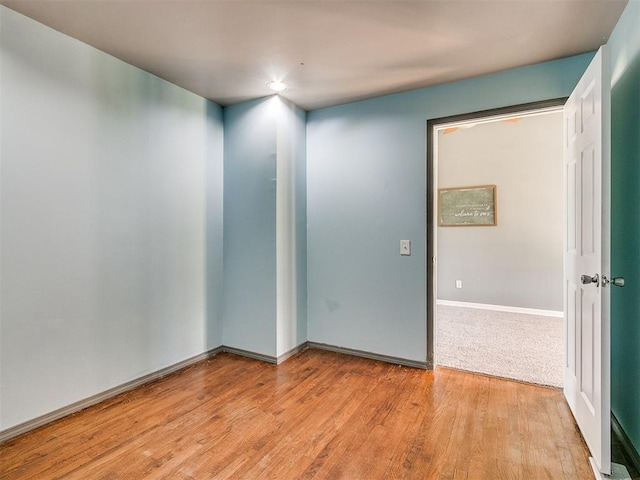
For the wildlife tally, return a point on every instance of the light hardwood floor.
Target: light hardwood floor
(319, 415)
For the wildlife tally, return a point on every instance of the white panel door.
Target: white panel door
(587, 189)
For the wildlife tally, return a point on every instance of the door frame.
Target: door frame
(432, 189)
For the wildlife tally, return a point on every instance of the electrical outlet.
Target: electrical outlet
(458, 283)
(405, 247)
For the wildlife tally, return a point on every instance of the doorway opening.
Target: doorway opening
(495, 288)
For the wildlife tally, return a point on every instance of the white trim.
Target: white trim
(618, 472)
(502, 308)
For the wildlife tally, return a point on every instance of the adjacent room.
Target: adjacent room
(217, 234)
(499, 277)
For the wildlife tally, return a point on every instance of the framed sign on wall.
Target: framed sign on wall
(467, 206)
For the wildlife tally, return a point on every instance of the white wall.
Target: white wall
(105, 251)
(518, 262)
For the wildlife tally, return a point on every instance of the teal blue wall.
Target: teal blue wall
(366, 190)
(214, 213)
(300, 148)
(250, 226)
(625, 221)
(264, 227)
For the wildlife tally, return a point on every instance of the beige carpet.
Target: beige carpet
(511, 345)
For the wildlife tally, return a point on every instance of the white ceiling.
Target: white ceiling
(328, 51)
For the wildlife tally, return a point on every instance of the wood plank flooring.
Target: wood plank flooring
(319, 415)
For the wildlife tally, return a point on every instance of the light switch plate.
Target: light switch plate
(405, 247)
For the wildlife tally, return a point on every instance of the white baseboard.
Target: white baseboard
(502, 308)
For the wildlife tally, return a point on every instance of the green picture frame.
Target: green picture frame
(468, 206)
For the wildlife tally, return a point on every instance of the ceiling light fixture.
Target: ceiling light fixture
(277, 86)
